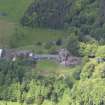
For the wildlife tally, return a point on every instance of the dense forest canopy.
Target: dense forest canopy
(86, 16)
(47, 13)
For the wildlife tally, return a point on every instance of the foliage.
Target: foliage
(73, 44)
(83, 85)
(88, 49)
(101, 52)
(50, 15)
(84, 15)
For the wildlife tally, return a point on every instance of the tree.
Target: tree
(102, 11)
(73, 44)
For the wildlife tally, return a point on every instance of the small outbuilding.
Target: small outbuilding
(2, 53)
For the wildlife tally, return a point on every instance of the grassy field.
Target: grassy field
(48, 67)
(6, 30)
(14, 8)
(29, 36)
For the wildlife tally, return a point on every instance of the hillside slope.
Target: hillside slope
(83, 18)
(86, 16)
(11, 32)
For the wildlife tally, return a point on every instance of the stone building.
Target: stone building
(65, 58)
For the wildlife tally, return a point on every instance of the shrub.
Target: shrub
(59, 42)
(88, 70)
(29, 100)
(101, 52)
(73, 44)
(39, 43)
(48, 45)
